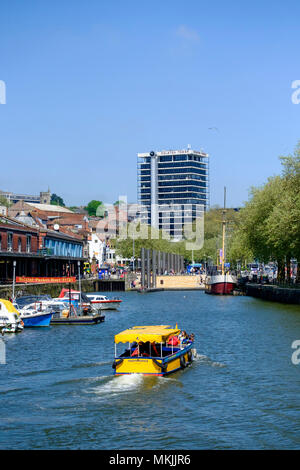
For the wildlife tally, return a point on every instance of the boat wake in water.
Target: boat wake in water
(202, 359)
(116, 385)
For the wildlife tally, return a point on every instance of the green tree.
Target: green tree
(56, 200)
(93, 206)
(118, 203)
(4, 202)
(268, 227)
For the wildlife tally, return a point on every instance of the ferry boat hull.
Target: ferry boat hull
(180, 359)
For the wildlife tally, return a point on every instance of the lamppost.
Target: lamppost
(79, 280)
(14, 280)
(133, 255)
(69, 274)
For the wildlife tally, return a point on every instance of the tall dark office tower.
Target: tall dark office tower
(174, 178)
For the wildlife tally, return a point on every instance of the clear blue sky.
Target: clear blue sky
(90, 84)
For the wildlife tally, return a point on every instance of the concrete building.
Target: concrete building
(177, 178)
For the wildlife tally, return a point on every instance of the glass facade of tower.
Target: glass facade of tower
(179, 178)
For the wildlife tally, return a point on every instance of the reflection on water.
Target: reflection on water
(240, 392)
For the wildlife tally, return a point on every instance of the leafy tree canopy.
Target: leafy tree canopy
(4, 202)
(93, 206)
(57, 200)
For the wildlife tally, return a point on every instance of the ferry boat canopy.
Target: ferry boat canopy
(153, 333)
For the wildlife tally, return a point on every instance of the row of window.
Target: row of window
(182, 170)
(185, 182)
(63, 248)
(10, 243)
(198, 184)
(184, 207)
(147, 166)
(173, 179)
(182, 164)
(145, 189)
(176, 158)
(145, 199)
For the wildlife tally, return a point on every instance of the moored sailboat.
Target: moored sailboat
(221, 283)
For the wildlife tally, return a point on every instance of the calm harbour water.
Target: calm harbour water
(57, 390)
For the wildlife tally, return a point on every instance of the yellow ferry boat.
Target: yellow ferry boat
(153, 350)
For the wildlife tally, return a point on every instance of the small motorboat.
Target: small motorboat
(24, 300)
(153, 350)
(65, 314)
(35, 315)
(10, 321)
(101, 302)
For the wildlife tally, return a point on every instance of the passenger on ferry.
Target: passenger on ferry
(191, 337)
(154, 352)
(183, 336)
(173, 341)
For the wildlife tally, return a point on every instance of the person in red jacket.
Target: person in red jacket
(173, 341)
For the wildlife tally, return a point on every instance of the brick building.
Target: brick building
(38, 251)
(17, 242)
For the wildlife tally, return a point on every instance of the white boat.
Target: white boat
(101, 302)
(10, 321)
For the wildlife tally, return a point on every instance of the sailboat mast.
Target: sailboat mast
(223, 235)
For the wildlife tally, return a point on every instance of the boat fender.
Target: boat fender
(190, 357)
(116, 363)
(160, 364)
(182, 362)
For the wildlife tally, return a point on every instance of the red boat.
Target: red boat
(76, 296)
(222, 284)
(102, 302)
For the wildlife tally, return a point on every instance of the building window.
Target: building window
(9, 242)
(19, 245)
(28, 244)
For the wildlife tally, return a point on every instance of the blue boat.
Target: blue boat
(36, 319)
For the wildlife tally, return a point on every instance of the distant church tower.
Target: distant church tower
(45, 197)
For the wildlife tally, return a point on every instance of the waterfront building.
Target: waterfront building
(17, 243)
(97, 248)
(52, 217)
(37, 251)
(177, 178)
